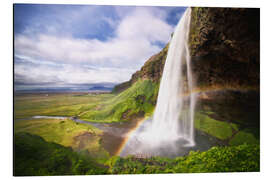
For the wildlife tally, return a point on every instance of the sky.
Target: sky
(59, 46)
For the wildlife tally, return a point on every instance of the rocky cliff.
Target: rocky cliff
(225, 47)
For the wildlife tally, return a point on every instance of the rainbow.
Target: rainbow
(128, 135)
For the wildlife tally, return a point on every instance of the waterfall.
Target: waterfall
(172, 127)
(173, 117)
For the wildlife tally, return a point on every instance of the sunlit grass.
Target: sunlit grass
(139, 98)
(243, 137)
(36, 157)
(219, 129)
(29, 105)
(64, 132)
(242, 158)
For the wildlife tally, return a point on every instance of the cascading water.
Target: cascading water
(172, 117)
(173, 122)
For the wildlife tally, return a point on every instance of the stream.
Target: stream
(121, 138)
(114, 136)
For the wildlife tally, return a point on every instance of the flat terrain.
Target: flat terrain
(57, 104)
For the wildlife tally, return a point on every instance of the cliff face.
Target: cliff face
(225, 55)
(225, 46)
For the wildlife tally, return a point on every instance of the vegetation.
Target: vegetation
(244, 137)
(138, 100)
(64, 104)
(62, 146)
(81, 137)
(243, 158)
(36, 157)
(219, 129)
(228, 132)
(223, 58)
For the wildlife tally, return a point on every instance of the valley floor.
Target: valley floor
(93, 148)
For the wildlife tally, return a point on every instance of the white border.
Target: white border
(6, 84)
(209, 3)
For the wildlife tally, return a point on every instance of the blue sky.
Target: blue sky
(86, 45)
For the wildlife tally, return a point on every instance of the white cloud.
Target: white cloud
(70, 74)
(116, 58)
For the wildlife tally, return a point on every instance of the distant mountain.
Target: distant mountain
(64, 89)
(107, 86)
(100, 88)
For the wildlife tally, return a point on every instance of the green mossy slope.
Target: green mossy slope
(219, 129)
(136, 101)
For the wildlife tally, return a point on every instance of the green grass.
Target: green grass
(73, 148)
(243, 137)
(139, 99)
(225, 131)
(67, 133)
(243, 158)
(219, 129)
(66, 104)
(36, 157)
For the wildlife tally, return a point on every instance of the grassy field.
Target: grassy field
(62, 104)
(80, 137)
(138, 100)
(75, 148)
